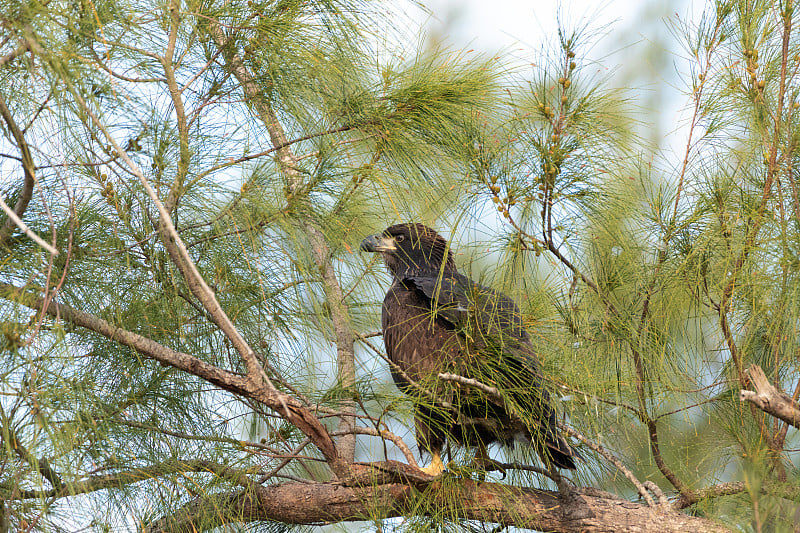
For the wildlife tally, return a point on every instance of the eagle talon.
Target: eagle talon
(436, 467)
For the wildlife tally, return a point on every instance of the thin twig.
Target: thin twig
(384, 434)
(470, 382)
(640, 488)
(26, 230)
(284, 462)
(26, 193)
(408, 379)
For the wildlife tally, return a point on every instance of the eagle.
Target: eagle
(460, 351)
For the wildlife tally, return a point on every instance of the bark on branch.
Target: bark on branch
(316, 503)
(769, 399)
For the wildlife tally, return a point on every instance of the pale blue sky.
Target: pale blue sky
(631, 38)
(496, 24)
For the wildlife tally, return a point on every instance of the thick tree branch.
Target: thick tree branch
(769, 399)
(318, 503)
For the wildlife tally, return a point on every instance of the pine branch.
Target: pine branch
(41, 465)
(181, 258)
(291, 409)
(258, 384)
(786, 491)
(224, 379)
(128, 477)
(15, 216)
(318, 503)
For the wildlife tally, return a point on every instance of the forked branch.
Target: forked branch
(769, 399)
(26, 193)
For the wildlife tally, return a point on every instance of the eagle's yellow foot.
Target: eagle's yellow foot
(436, 467)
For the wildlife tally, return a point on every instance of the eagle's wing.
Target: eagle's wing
(478, 310)
(493, 324)
(489, 320)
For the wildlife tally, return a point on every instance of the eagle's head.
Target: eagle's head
(411, 249)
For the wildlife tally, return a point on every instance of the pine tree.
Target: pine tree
(191, 338)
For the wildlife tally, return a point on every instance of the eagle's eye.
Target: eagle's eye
(399, 238)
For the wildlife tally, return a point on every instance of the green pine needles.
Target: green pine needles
(204, 352)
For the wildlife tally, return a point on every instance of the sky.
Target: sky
(631, 38)
(498, 24)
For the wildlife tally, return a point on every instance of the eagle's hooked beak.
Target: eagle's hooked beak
(378, 243)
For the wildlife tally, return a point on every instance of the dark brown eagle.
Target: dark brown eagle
(437, 321)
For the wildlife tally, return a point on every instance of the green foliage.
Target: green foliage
(648, 282)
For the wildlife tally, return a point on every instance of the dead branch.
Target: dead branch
(474, 383)
(769, 399)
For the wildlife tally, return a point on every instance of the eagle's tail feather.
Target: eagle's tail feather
(561, 454)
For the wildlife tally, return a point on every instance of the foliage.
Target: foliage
(275, 136)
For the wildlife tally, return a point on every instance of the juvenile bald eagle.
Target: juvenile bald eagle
(437, 321)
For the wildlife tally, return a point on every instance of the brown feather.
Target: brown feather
(437, 321)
